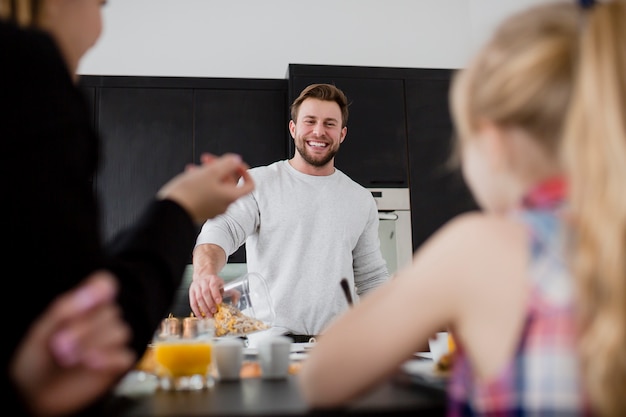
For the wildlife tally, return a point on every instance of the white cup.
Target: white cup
(438, 345)
(274, 355)
(228, 354)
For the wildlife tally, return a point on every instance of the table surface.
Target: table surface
(259, 397)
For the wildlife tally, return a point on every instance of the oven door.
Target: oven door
(394, 233)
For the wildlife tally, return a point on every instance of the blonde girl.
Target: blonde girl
(533, 287)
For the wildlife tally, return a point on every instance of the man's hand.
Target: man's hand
(205, 293)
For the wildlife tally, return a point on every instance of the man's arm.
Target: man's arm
(208, 259)
(205, 291)
(370, 268)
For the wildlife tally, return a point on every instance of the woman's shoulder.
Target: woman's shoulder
(481, 244)
(28, 54)
(489, 281)
(488, 225)
(24, 42)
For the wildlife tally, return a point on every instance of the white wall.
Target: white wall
(259, 38)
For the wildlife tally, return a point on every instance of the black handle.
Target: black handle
(346, 290)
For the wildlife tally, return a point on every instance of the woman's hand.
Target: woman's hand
(207, 190)
(75, 351)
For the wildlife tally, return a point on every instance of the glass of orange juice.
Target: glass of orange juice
(183, 353)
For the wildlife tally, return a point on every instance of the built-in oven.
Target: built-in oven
(394, 230)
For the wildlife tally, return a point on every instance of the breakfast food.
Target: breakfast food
(445, 362)
(229, 320)
(253, 369)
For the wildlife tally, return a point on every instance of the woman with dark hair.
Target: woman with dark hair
(51, 215)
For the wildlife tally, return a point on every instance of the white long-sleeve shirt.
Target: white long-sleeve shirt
(303, 234)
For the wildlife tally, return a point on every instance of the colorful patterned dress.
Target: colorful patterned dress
(543, 377)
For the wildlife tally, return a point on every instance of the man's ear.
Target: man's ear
(292, 129)
(344, 132)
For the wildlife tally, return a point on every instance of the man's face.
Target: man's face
(317, 132)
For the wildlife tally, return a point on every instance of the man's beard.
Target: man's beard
(312, 160)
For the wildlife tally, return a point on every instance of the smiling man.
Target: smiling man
(306, 226)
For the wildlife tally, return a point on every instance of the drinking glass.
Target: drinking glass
(183, 353)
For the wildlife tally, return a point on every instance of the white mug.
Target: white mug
(274, 355)
(228, 354)
(439, 345)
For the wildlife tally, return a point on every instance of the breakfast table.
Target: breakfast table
(255, 396)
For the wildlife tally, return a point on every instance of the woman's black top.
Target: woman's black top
(50, 217)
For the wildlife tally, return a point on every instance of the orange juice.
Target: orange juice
(183, 358)
(451, 345)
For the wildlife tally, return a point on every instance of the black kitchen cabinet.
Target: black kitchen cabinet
(374, 153)
(438, 191)
(252, 123)
(151, 127)
(147, 139)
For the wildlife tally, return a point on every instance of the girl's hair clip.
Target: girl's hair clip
(586, 4)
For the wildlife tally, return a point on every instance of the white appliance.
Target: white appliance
(394, 230)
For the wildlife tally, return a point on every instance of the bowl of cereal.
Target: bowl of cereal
(246, 307)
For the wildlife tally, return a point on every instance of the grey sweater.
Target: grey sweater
(303, 233)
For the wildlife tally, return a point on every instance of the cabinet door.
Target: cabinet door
(147, 139)
(374, 151)
(252, 123)
(438, 191)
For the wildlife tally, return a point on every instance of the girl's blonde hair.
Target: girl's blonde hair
(595, 152)
(559, 73)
